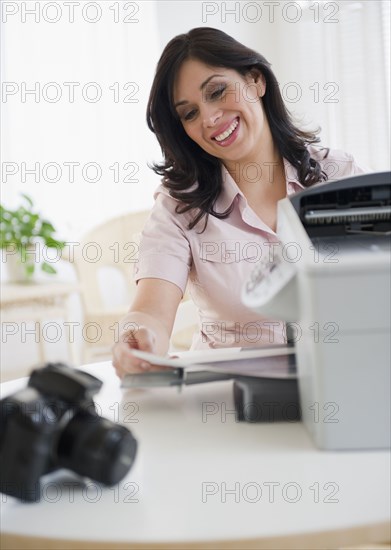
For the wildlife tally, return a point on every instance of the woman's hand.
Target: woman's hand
(124, 361)
(147, 326)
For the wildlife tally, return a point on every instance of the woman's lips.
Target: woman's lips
(231, 138)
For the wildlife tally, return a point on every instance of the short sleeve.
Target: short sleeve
(164, 251)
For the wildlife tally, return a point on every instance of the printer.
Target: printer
(329, 279)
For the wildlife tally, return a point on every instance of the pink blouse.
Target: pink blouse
(216, 263)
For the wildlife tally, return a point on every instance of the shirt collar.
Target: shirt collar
(230, 188)
(229, 191)
(291, 175)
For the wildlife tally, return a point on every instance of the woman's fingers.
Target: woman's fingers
(124, 361)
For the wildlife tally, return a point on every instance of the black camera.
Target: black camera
(53, 424)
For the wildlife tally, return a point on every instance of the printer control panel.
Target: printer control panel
(267, 279)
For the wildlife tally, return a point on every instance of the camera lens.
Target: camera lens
(97, 448)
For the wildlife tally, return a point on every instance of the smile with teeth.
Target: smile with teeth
(228, 131)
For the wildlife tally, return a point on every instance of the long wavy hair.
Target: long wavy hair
(185, 162)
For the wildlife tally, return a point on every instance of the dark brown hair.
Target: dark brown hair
(184, 161)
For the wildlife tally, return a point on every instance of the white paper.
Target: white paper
(189, 359)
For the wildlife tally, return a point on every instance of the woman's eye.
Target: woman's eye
(189, 115)
(213, 95)
(217, 92)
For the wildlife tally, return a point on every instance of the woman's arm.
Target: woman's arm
(148, 325)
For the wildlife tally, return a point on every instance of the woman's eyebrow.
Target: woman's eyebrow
(184, 101)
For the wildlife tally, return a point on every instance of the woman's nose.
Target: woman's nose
(211, 116)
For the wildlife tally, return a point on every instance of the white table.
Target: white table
(205, 481)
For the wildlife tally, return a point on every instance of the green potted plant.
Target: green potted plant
(23, 234)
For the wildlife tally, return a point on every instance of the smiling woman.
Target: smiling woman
(210, 119)
(227, 119)
(206, 73)
(231, 152)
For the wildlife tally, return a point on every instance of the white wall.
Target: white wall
(38, 131)
(103, 132)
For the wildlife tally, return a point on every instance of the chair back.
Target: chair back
(105, 260)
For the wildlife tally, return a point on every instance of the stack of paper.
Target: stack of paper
(265, 362)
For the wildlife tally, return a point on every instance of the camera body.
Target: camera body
(52, 424)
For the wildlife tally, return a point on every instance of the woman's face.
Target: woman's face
(220, 110)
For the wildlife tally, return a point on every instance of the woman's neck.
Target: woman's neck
(261, 168)
(262, 180)
(259, 172)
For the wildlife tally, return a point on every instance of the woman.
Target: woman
(231, 152)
